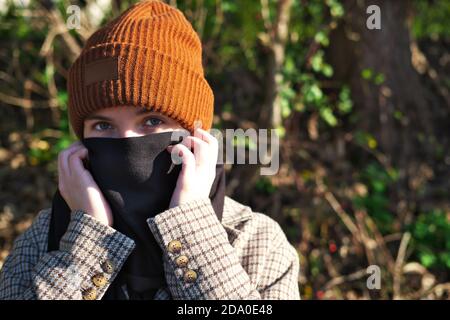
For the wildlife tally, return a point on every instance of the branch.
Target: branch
(26, 103)
(398, 270)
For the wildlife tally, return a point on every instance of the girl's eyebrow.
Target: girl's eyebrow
(98, 117)
(145, 111)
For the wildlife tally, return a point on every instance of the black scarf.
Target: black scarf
(132, 175)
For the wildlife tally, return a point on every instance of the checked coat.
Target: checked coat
(244, 256)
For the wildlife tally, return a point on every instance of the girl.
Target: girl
(125, 222)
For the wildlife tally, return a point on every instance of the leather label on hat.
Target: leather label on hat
(100, 70)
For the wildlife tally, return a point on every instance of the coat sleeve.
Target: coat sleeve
(202, 264)
(87, 249)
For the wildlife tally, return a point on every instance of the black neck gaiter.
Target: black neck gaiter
(132, 174)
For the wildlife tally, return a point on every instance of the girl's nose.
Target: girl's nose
(129, 134)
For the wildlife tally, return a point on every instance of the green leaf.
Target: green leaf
(314, 93)
(327, 115)
(62, 98)
(289, 66)
(322, 38)
(317, 61)
(427, 259)
(367, 74)
(327, 70)
(379, 79)
(345, 104)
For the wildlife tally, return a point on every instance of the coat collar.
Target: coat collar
(235, 213)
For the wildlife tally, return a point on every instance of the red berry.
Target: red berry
(320, 294)
(332, 247)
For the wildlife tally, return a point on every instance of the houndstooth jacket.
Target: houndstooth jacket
(244, 256)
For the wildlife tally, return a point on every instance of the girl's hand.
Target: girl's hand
(198, 167)
(77, 186)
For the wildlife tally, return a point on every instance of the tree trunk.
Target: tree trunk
(400, 112)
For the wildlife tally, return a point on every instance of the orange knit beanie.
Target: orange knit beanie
(149, 56)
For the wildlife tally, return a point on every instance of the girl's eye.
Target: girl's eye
(153, 122)
(102, 126)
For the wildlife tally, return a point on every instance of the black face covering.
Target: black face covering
(132, 174)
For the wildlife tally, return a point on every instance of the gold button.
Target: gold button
(190, 276)
(99, 280)
(174, 246)
(90, 294)
(108, 266)
(181, 261)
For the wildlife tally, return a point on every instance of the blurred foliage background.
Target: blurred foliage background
(363, 115)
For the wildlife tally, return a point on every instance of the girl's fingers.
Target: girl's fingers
(63, 158)
(201, 148)
(187, 158)
(60, 172)
(76, 161)
(212, 142)
(206, 136)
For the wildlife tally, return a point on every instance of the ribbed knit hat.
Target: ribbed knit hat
(149, 56)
